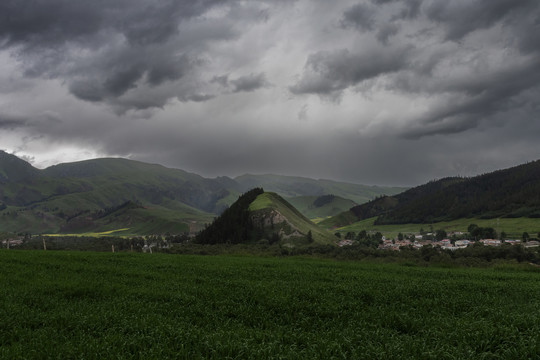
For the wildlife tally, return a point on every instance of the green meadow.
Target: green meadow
(86, 305)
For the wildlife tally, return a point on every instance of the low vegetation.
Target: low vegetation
(96, 305)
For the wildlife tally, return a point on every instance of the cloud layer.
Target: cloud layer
(373, 91)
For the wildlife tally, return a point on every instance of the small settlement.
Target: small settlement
(447, 244)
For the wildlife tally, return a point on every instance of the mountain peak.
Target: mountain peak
(14, 169)
(263, 216)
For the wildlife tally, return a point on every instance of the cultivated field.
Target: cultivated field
(101, 305)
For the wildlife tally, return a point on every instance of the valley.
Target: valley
(120, 198)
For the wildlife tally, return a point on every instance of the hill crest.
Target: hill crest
(274, 214)
(15, 169)
(263, 217)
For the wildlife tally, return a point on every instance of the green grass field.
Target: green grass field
(513, 227)
(83, 305)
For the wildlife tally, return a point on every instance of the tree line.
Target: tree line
(513, 192)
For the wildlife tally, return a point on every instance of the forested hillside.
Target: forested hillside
(513, 192)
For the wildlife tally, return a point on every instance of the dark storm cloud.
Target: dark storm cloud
(437, 70)
(9, 122)
(199, 97)
(459, 18)
(12, 122)
(419, 89)
(365, 17)
(472, 99)
(222, 80)
(112, 77)
(44, 23)
(249, 82)
(409, 9)
(329, 73)
(386, 31)
(361, 16)
(102, 52)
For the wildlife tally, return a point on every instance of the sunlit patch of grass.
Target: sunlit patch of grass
(319, 219)
(91, 234)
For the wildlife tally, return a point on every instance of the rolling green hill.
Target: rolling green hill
(508, 193)
(149, 182)
(70, 196)
(275, 214)
(263, 217)
(13, 169)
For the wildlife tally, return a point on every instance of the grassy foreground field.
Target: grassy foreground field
(128, 306)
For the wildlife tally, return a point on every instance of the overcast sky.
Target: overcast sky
(388, 92)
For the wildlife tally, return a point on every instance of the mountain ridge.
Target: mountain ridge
(512, 192)
(292, 186)
(61, 196)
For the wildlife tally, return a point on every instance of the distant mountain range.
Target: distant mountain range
(109, 194)
(513, 192)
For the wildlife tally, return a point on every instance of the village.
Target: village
(412, 241)
(419, 241)
(447, 244)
